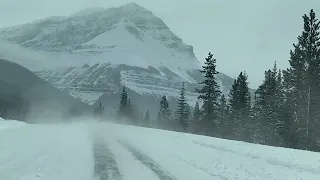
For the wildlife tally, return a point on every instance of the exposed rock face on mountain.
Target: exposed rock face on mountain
(98, 51)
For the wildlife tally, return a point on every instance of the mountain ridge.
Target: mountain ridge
(73, 35)
(96, 52)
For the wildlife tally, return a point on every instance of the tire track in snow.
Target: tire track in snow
(148, 162)
(105, 166)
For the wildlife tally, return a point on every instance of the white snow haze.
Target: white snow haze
(111, 90)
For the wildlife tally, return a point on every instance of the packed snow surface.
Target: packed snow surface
(9, 124)
(91, 151)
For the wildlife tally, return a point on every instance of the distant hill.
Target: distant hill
(25, 96)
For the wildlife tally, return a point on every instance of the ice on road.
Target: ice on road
(104, 151)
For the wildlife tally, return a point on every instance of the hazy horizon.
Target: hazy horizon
(244, 36)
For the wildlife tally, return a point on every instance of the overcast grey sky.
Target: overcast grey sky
(246, 35)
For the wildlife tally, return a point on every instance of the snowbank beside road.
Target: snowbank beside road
(189, 157)
(89, 149)
(8, 124)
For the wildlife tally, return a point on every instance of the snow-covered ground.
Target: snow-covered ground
(9, 124)
(45, 152)
(108, 151)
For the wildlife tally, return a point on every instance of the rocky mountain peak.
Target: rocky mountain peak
(132, 6)
(129, 30)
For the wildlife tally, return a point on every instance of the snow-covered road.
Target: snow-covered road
(107, 151)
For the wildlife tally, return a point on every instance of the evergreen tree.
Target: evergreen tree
(257, 136)
(195, 124)
(182, 116)
(224, 117)
(269, 109)
(123, 107)
(240, 109)
(98, 111)
(164, 114)
(147, 118)
(126, 109)
(188, 116)
(132, 112)
(223, 107)
(295, 83)
(209, 94)
(303, 86)
(129, 111)
(196, 113)
(311, 46)
(280, 109)
(264, 107)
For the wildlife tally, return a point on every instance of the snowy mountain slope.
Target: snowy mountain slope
(99, 50)
(108, 78)
(128, 28)
(23, 94)
(103, 151)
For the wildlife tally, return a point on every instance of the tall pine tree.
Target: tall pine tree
(126, 108)
(98, 111)
(196, 113)
(224, 129)
(147, 119)
(164, 115)
(181, 113)
(122, 111)
(195, 120)
(303, 86)
(130, 114)
(269, 109)
(240, 109)
(223, 107)
(209, 94)
(188, 118)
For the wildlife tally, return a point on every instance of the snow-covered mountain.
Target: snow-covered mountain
(97, 51)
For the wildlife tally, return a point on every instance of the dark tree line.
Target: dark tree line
(284, 111)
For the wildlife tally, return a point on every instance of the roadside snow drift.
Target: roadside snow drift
(92, 151)
(4, 124)
(189, 157)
